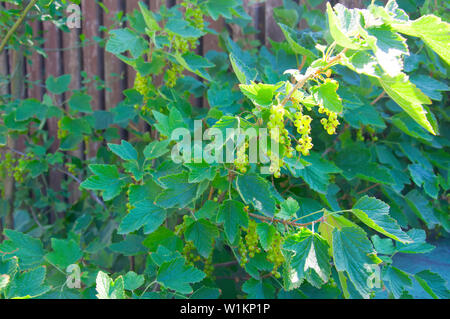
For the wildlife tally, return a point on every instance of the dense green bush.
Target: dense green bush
(359, 99)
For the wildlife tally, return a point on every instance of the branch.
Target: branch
(17, 24)
(284, 222)
(76, 179)
(378, 98)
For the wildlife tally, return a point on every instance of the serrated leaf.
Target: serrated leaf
(109, 289)
(396, 280)
(351, 250)
(433, 284)
(65, 252)
(232, 215)
(28, 284)
(133, 281)
(260, 93)
(178, 191)
(266, 234)
(58, 85)
(125, 151)
(106, 179)
(177, 276)
(375, 214)
(29, 250)
(156, 149)
(123, 40)
(309, 259)
(288, 209)
(326, 95)
(258, 289)
(143, 214)
(202, 233)
(80, 102)
(409, 98)
(344, 25)
(255, 190)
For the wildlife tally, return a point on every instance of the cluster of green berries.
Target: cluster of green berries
(189, 253)
(173, 74)
(143, 85)
(71, 168)
(330, 124)
(303, 124)
(278, 133)
(249, 248)
(208, 267)
(274, 254)
(194, 16)
(61, 133)
(241, 162)
(15, 167)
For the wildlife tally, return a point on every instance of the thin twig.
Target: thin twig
(17, 24)
(379, 97)
(284, 222)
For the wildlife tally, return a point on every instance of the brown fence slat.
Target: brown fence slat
(71, 65)
(53, 68)
(272, 30)
(34, 68)
(113, 67)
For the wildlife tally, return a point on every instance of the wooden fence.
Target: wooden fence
(66, 55)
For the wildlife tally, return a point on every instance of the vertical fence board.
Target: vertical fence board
(113, 67)
(34, 68)
(53, 68)
(71, 65)
(272, 30)
(91, 56)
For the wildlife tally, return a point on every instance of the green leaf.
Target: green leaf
(123, 40)
(156, 149)
(177, 276)
(350, 252)
(130, 246)
(258, 289)
(143, 214)
(255, 190)
(309, 259)
(178, 191)
(217, 8)
(409, 98)
(291, 38)
(4, 281)
(289, 209)
(433, 284)
(133, 281)
(200, 172)
(109, 289)
(202, 233)
(418, 246)
(422, 208)
(58, 85)
(425, 178)
(431, 29)
(163, 237)
(125, 151)
(266, 234)
(375, 214)
(183, 28)
(344, 25)
(106, 179)
(232, 215)
(29, 284)
(244, 73)
(65, 252)
(207, 293)
(326, 95)
(260, 93)
(396, 281)
(149, 18)
(388, 47)
(30, 108)
(81, 102)
(29, 250)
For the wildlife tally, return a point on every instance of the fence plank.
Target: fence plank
(71, 65)
(272, 29)
(114, 69)
(53, 68)
(33, 65)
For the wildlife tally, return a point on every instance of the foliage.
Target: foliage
(362, 173)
